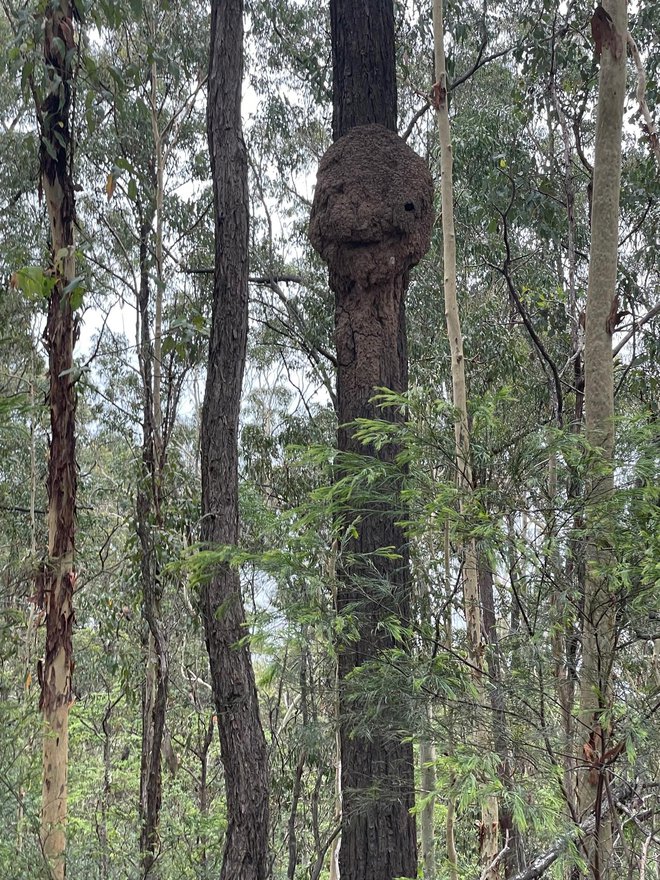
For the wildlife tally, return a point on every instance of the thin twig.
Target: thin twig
(636, 326)
(505, 271)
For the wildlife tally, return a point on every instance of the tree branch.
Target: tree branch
(505, 271)
(649, 127)
(542, 862)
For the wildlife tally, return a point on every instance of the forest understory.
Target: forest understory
(329, 440)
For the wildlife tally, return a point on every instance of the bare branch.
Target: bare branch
(636, 326)
(542, 862)
(649, 127)
(415, 119)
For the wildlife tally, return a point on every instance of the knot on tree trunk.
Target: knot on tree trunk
(373, 207)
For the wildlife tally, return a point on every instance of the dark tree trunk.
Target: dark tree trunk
(371, 223)
(57, 582)
(363, 64)
(203, 755)
(154, 697)
(514, 856)
(378, 831)
(242, 740)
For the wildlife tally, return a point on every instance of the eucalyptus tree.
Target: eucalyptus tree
(38, 139)
(473, 600)
(610, 28)
(56, 581)
(242, 740)
(143, 119)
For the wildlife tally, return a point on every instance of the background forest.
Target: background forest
(494, 717)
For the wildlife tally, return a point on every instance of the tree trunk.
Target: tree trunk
(242, 741)
(598, 633)
(57, 581)
(514, 856)
(427, 751)
(154, 698)
(564, 626)
(203, 755)
(371, 222)
(363, 64)
(427, 760)
(489, 828)
(106, 793)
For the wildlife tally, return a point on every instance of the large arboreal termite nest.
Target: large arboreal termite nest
(373, 207)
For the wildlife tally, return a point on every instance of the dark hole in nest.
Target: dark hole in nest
(409, 206)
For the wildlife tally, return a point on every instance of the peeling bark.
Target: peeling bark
(57, 581)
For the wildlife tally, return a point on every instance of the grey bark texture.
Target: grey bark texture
(242, 741)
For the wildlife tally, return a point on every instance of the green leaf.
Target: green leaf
(50, 149)
(75, 291)
(123, 165)
(59, 44)
(33, 282)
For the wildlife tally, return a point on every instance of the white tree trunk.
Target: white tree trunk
(489, 830)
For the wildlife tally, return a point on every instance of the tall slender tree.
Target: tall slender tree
(371, 222)
(488, 831)
(610, 30)
(58, 578)
(241, 736)
(154, 698)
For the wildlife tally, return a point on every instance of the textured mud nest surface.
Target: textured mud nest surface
(373, 206)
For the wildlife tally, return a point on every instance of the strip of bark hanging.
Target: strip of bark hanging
(648, 126)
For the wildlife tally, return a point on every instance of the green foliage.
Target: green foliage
(301, 501)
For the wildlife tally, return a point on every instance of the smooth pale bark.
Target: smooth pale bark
(599, 624)
(242, 742)
(450, 824)
(57, 582)
(489, 828)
